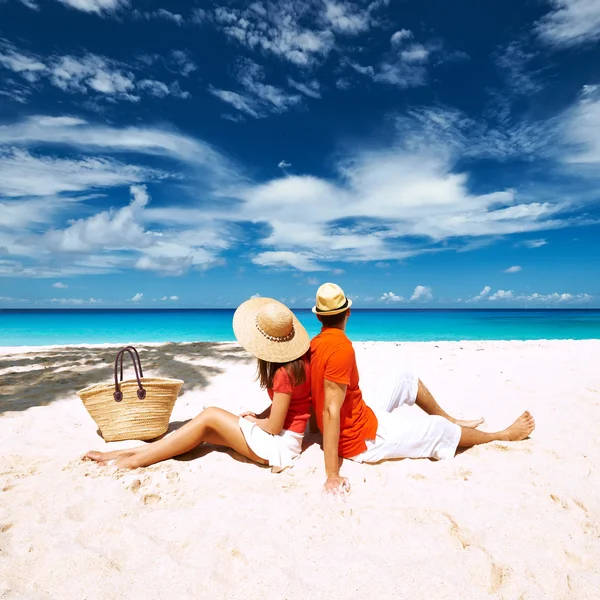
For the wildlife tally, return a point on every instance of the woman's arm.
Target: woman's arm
(274, 422)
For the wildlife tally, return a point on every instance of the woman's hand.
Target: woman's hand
(247, 414)
(251, 419)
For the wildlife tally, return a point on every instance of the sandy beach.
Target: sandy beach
(505, 520)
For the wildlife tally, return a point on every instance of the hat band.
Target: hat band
(274, 338)
(342, 307)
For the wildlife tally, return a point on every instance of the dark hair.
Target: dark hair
(333, 320)
(267, 370)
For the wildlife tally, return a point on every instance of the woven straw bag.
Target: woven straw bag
(135, 409)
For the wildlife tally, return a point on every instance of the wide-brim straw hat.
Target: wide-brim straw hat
(270, 331)
(331, 300)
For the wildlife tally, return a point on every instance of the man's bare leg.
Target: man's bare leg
(428, 403)
(518, 431)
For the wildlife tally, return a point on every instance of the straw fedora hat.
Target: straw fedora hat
(269, 330)
(331, 300)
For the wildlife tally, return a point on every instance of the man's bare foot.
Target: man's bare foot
(520, 429)
(473, 424)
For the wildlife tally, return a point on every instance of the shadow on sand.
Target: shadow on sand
(39, 378)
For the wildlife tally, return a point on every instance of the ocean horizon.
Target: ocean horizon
(40, 327)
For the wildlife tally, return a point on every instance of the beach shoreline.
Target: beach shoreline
(205, 525)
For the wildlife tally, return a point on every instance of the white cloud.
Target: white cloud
(556, 297)
(60, 286)
(112, 240)
(501, 295)
(387, 195)
(30, 4)
(284, 165)
(580, 126)
(312, 281)
(310, 88)
(76, 301)
(390, 297)
(514, 269)
(98, 7)
(535, 298)
(106, 229)
(276, 29)
(415, 53)
(484, 293)
(346, 18)
(570, 22)
(422, 293)
(170, 298)
(137, 297)
(400, 36)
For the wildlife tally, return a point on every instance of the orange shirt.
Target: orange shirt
(332, 357)
(299, 410)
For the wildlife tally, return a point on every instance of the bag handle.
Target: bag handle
(141, 392)
(137, 356)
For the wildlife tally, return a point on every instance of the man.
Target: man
(352, 430)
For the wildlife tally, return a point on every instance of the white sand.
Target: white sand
(510, 520)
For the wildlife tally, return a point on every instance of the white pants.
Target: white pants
(399, 437)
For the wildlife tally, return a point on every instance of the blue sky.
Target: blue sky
(193, 154)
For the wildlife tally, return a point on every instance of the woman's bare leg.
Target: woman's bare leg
(212, 425)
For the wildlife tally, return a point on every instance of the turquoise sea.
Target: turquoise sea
(79, 326)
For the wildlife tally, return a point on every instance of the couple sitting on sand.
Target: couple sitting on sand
(322, 375)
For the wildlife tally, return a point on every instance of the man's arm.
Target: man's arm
(335, 394)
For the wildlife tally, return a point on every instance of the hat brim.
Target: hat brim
(337, 311)
(253, 341)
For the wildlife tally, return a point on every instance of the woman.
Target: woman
(270, 331)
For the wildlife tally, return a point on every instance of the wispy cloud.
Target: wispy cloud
(99, 7)
(514, 269)
(514, 60)
(533, 243)
(310, 88)
(78, 133)
(88, 74)
(58, 175)
(138, 297)
(258, 98)
(160, 14)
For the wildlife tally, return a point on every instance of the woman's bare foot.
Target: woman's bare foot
(128, 461)
(473, 424)
(520, 429)
(114, 454)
